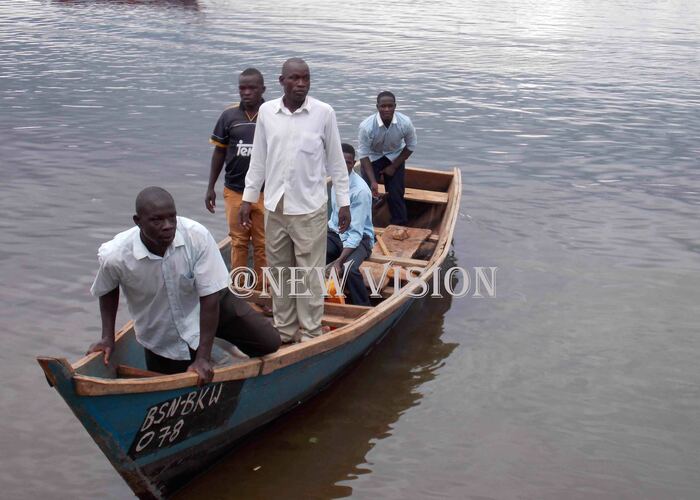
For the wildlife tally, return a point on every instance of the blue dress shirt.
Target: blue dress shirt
(376, 140)
(360, 213)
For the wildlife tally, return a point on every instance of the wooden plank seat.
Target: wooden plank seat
(421, 195)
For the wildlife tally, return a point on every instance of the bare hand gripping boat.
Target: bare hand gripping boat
(158, 430)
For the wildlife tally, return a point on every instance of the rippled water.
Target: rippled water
(576, 125)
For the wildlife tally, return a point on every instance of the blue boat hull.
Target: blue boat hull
(158, 440)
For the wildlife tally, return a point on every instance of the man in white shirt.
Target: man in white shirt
(296, 145)
(176, 287)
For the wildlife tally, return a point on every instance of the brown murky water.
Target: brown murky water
(575, 124)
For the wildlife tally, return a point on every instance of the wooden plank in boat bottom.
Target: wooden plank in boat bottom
(335, 312)
(404, 248)
(331, 320)
(376, 269)
(433, 235)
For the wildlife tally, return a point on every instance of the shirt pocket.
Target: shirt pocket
(187, 284)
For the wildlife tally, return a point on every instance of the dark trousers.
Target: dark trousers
(239, 324)
(355, 285)
(395, 189)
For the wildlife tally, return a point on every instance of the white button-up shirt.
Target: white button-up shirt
(292, 154)
(162, 293)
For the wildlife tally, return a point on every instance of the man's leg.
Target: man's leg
(166, 366)
(309, 234)
(355, 285)
(334, 246)
(395, 188)
(245, 328)
(279, 249)
(378, 165)
(239, 235)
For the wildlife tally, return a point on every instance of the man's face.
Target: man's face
(296, 81)
(158, 223)
(386, 107)
(251, 89)
(349, 161)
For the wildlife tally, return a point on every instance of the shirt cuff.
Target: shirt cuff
(251, 195)
(341, 200)
(351, 242)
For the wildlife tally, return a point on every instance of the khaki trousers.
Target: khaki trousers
(299, 241)
(241, 236)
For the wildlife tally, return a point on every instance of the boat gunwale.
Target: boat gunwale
(86, 385)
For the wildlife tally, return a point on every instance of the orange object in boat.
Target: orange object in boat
(333, 293)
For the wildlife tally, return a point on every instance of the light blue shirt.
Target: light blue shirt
(360, 214)
(376, 140)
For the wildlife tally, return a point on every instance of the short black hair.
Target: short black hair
(385, 93)
(292, 60)
(151, 195)
(347, 148)
(253, 72)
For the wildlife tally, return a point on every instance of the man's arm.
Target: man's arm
(403, 156)
(364, 142)
(208, 322)
(338, 171)
(109, 303)
(255, 177)
(217, 163)
(411, 141)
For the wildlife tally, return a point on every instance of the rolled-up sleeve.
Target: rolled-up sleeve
(255, 177)
(335, 162)
(107, 278)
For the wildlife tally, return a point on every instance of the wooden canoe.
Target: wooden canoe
(158, 430)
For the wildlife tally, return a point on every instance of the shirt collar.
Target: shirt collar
(381, 123)
(280, 107)
(242, 107)
(141, 252)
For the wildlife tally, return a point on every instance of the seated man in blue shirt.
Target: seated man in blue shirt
(355, 244)
(386, 140)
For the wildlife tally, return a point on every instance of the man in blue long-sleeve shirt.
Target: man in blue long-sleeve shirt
(356, 243)
(387, 139)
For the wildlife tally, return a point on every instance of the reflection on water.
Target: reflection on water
(575, 125)
(322, 446)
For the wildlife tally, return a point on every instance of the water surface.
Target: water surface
(576, 126)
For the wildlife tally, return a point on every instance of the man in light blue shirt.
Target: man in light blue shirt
(355, 244)
(387, 139)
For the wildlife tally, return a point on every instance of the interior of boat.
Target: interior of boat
(427, 198)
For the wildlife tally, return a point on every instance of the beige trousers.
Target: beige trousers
(296, 241)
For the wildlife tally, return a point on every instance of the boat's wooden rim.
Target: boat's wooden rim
(94, 386)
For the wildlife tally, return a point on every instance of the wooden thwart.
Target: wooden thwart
(421, 195)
